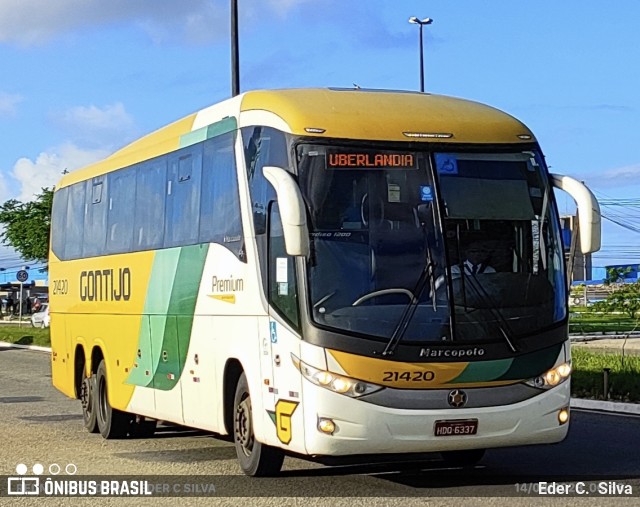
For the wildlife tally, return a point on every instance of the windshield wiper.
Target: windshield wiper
(428, 274)
(501, 322)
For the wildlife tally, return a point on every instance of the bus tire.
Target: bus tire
(112, 423)
(467, 458)
(256, 459)
(88, 400)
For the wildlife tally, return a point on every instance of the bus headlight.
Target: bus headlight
(553, 377)
(335, 382)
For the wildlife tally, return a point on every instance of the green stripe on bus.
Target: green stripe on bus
(533, 364)
(517, 368)
(152, 325)
(179, 321)
(483, 371)
(204, 133)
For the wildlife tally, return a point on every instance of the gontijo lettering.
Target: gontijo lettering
(105, 285)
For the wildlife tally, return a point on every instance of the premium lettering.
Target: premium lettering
(227, 284)
(105, 285)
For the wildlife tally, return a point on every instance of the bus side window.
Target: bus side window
(183, 197)
(95, 220)
(283, 290)
(122, 185)
(75, 221)
(263, 146)
(151, 181)
(220, 219)
(59, 217)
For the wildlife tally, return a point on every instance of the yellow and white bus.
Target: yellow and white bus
(293, 268)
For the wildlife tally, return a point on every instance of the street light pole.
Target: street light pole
(421, 22)
(235, 51)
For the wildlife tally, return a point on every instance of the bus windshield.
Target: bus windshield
(431, 246)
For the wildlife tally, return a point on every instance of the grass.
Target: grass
(587, 380)
(25, 335)
(592, 322)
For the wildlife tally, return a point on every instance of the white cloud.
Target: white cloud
(47, 168)
(93, 133)
(91, 126)
(626, 173)
(28, 22)
(8, 104)
(617, 177)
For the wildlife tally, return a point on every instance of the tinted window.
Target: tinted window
(165, 202)
(183, 197)
(58, 221)
(151, 188)
(263, 146)
(75, 221)
(283, 291)
(95, 220)
(122, 185)
(220, 214)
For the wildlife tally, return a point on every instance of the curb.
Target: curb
(598, 405)
(606, 406)
(37, 348)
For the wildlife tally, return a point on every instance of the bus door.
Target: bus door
(282, 335)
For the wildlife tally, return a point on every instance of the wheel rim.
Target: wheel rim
(86, 396)
(102, 399)
(244, 431)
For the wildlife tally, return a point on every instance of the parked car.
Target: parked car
(41, 318)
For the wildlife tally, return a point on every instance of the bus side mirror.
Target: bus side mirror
(292, 210)
(588, 211)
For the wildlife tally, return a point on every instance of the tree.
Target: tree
(26, 226)
(624, 298)
(616, 275)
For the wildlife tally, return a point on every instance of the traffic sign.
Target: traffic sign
(22, 275)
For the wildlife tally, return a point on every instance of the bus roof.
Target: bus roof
(375, 115)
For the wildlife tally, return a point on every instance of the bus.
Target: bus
(287, 267)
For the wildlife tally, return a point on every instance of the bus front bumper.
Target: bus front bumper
(364, 428)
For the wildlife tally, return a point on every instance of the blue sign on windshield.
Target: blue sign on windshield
(426, 193)
(446, 163)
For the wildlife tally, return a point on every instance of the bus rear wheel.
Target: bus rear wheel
(256, 459)
(112, 423)
(88, 401)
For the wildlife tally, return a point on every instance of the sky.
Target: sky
(81, 78)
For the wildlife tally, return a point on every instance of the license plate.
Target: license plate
(456, 427)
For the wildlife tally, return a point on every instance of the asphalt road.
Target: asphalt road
(39, 425)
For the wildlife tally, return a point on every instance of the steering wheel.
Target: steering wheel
(384, 292)
(365, 222)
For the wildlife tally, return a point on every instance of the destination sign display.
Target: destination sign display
(370, 159)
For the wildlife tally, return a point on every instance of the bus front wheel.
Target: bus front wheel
(256, 459)
(112, 423)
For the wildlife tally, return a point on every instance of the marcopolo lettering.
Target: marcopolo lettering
(105, 285)
(471, 352)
